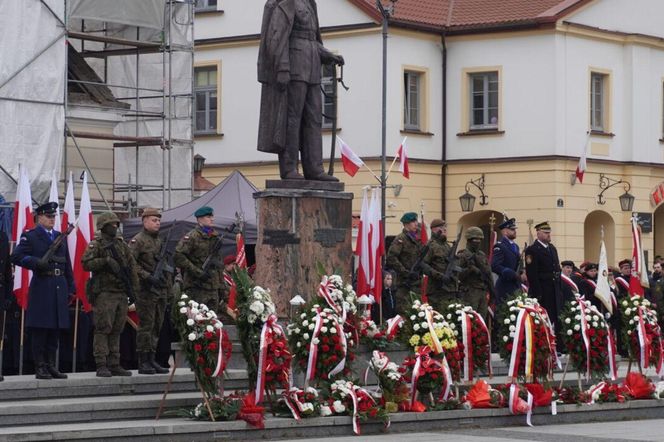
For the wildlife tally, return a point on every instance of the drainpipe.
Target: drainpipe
(443, 171)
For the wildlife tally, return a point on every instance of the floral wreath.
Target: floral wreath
(473, 338)
(641, 333)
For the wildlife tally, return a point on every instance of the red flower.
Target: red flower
(198, 347)
(212, 346)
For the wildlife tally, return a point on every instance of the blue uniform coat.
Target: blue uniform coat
(505, 263)
(48, 298)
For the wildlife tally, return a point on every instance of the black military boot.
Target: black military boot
(103, 372)
(41, 370)
(144, 366)
(52, 369)
(158, 368)
(116, 370)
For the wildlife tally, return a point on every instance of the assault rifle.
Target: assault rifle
(49, 256)
(418, 262)
(213, 258)
(452, 265)
(164, 258)
(124, 275)
(487, 280)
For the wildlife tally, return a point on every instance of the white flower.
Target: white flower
(624, 303)
(198, 317)
(315, 341)
(505, 338)
(218, 325)
(251, 318)
(305, 322)
(311, 326)
(181, 303)
(636, 302)
(512, 328)
(567, 320)
(449, 316)
(296, 331)
(305, 336)
(299, 344)
(333, 330)
(577, 317)
(257, 307)
(588, 318)
(190, 322)
(628, 311)
(416, 327)
(629, 332)
(183, 310)
(325, 411)
(569, 332)
(184, 296)
(512, 318)
(338, 407)
(631, 322)
(452, 325)
(595, 324)
(424, 325)
(421, 314)
(413, 317)
(209, 328)
(456, 333)
(506, 321)
(537, 321)
(577, 327)
(323, 329)
(595, 318)
(511, 334)
(303, 315)
(192, 336)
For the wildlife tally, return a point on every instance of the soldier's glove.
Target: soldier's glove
(113, 265)
(42, 265)
(153, 281)
(200, 274)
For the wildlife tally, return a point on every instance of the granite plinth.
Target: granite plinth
(329, 186)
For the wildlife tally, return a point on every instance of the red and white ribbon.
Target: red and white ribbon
(466, 338)
(593, 390)
(644, 341)
(514, 401)
(611, 353)
(517, 343)
(220, 356)
(584, 334)
(488, 335)
(416, 375)
(313, 348)
(324, 290)
(570, 283)
(447, 375)
(393, 325)
(623, 283)
(344, 348)
(428, 313)
(356, 417)
(293, 403)
(270, 327)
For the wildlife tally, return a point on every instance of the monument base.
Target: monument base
(298, 228)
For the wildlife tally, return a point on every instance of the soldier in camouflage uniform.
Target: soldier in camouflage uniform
(114, 280)
(475, 279)
(402, 255)
(441, 290)
(152, 297)
(190, 254)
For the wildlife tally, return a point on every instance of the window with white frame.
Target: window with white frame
(327, 82)
(484, 100)
(205, 5)
(205, 99)
(598, 101)
(412, 113)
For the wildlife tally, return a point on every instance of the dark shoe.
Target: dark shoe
(144, 365)
(103, 372)
(292, 176)
(323, 177)
(41, 372)
(119, 371)
(52, 369)
(157, 368)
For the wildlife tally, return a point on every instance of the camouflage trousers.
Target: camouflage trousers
(476, 298)
(440, 299)
(403, 298)
(208, 297)
(110, 315)
(150, 309)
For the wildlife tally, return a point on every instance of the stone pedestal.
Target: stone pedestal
(300, 223)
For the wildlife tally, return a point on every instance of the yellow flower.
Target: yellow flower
(448, 343)
(414, 340)
(427, 339)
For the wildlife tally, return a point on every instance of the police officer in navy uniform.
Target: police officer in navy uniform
(51, 287)
(505, 262)
(6, 285)
(543, 271)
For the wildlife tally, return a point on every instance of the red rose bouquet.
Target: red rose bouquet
(472, 339)
(641, 333)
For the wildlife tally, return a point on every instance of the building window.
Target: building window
(484, 100)
(205, 93)
(329, 74)
(412, 114)
(598, 101)
(206, 5)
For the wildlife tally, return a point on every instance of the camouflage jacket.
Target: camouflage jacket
(145, 248)
(435, 263)
(95, 260)
(190, 254)
(473, 266)
(402, 255)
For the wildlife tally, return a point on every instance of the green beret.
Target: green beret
(408, 217)
(204, 211)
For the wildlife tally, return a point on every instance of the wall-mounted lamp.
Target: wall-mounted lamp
(199, 162)
(467, 200)
(626, 199)
(296, 304)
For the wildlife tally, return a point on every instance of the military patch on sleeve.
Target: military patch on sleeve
(495, 249)
(24, 238)
(529, 259)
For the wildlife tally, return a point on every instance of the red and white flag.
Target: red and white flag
(84, 234)
(349, 159)
(23, 221)
(581, 167)
(362, 247)
(376, 246)
(68, 217)
(403, 159)
(53, 198)
(240, 255)
(639, 278)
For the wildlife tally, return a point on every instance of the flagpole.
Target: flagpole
(372, 172)
(73, 363)
(403, 143)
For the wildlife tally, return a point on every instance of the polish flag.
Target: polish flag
(362, 248)
(403, 159)
(581, 167)
(23, 221)
(240, 255)
(53, 198)
(639, 278)
(349, 159)
(68, 216)
(376, 246)
(84, 234)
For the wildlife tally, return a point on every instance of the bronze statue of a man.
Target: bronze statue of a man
(290, 57)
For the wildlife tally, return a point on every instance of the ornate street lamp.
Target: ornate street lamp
(467, 200)
(626, 199)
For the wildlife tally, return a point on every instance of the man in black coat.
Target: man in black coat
(5, 285)
(51, 287)
(505, 262)
(543, 271)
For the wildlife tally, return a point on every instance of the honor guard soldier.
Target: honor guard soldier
(151, 299)
(543, 271)
(51, 287)
(6, 285)
(113, 286)
(505, 262)
(402, 257)
(475, 279)
(198, 255)
(443, 286)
